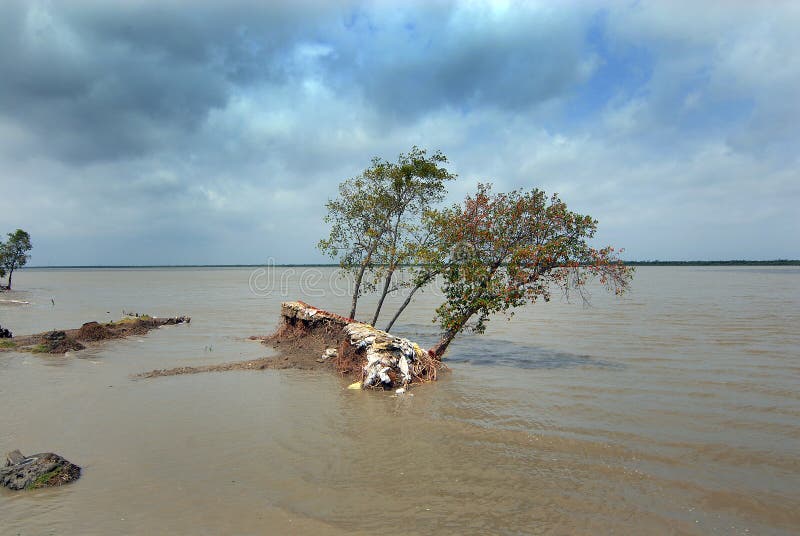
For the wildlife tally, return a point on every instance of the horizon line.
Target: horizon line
(775, 262)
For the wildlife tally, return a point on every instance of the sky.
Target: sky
(198, 132)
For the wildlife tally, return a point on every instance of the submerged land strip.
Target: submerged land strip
(300, 343)
(89, 334)
(309, 338)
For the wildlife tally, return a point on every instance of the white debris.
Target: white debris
(329, 353)
(400, 391)
(390, 359)
(402, 364)
(368, 341)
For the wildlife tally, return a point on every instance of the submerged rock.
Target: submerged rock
(37, 471)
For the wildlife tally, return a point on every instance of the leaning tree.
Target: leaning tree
(499, 251)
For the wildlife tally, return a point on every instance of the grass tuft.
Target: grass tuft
(44, 479)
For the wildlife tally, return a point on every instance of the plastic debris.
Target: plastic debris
(355, 386)
(377, 358)
(328, 354)
(390, 361)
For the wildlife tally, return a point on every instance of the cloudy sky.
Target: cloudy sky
(213, 132)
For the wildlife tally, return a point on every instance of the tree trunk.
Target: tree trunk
(383, 296)
(359, 278)
(356, 289)
(9, 278)
(402, 307)
(392, 268)
(438, 349)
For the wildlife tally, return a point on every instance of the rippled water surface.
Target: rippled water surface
(674, 410)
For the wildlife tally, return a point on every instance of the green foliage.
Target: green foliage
(8, 344)
(130, 320)
(499, 251)
(376, 218)
(14, 253)
(43, 480)
(494, 252)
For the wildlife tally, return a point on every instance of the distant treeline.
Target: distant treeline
(777, 262)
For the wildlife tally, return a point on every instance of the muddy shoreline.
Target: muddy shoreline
(90, 334)
(302, 354)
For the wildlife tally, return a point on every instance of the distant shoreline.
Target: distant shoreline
(777, 262)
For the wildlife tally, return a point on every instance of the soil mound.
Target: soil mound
(94, 331)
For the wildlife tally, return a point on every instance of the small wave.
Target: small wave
(16, 302)
(493, 352)
(481, 350)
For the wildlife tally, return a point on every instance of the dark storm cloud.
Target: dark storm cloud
(104, 80)
(417, 59)
(101, 80)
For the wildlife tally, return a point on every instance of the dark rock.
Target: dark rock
(14, 457)
(4, 333)
(57, 342)
(55, 336)
(178, 320)
(63, 346)
(37, 471)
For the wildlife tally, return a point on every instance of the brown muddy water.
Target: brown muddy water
(674, 410)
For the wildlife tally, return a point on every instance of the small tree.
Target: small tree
(14, 253)
(417, 182)
(500, 251)
(376, 219)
